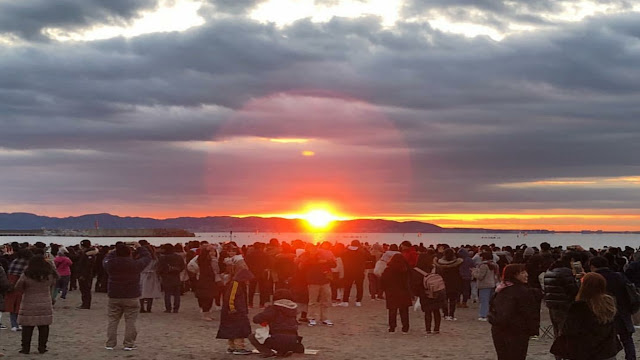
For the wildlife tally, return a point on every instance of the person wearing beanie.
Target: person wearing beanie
(283, 339)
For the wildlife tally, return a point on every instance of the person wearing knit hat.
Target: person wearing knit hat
(529, 251)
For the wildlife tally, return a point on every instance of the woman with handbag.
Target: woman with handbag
(588, 332)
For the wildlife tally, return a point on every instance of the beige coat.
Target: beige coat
(36, 308)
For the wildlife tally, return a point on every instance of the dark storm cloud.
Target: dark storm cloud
(28, 18)
(467, 113)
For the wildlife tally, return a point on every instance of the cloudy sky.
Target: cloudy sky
(513, 114)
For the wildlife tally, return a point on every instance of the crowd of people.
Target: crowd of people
(589, 293)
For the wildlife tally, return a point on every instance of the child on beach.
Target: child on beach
(395, 283)
(234, 318)
(283, 327)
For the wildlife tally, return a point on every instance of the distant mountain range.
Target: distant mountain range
(27, 221)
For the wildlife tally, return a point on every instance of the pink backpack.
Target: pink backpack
(433, 284)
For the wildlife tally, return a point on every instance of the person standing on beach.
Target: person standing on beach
(449, 268)
(234, 317)
(616, 287)
(430, 305)
(485, 274)
(514, 314)
(354, 258)
(36, 309)
(316, 264)
(123, 289)
(560, 290)
(170, 265)
(206, 277)
(149, 282)
(86, 266)
(14, 298)
(5, 285)
(395, 283)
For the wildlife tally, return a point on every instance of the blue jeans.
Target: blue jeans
(484, 296)
(14, 320)
(62, 285)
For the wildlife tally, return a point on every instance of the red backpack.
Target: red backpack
(433, 284)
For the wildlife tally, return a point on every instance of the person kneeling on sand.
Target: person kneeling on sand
(283, 328)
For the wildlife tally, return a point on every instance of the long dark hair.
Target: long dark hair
(38, 269)
(204, 261)
(398, 263)
(425, 261)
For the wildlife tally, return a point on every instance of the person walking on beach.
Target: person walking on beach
(36, 309)
(513, 314)
(206, 276)
(123, 289)
(616, 287)
(86, 266)
(170, 265)
(63, 267)
(429, 303)
(588, 331)
(395, 283)
(5, 285)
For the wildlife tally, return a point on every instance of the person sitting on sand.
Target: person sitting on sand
(283, 327)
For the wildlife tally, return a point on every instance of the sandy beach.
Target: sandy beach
(359, 333)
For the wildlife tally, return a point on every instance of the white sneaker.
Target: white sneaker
(446, 318)
(344, 304)
(327, 322)
(108, 347)
(130, 348)
(312, 322)
(15, 329)
(482, 319)
(358, 304)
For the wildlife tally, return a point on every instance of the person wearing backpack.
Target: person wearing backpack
(449, 268)
(395, 283)
(485, 274)
(432, 302)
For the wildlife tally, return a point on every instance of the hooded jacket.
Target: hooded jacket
(354, 260)
(450, 272)
(560, 288)
(281, 317)
(467, 264)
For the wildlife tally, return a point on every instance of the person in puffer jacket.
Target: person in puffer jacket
(283, 337)
(560, 290)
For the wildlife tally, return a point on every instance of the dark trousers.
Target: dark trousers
(627, 343)
(265, 287)
(170, 291)
(336, 284)
(510, 346)
(375, 287)
(43, 337)
(449, 308)
(62, 285)
(466, 290)
(85, 290)
(263, 348)
(404, 318)
(557, 316)
(205, 303)
(348, 282)
(435, 316)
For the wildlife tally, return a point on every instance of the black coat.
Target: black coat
(417, 288)
(396, 288)
(560, 288)
(354, 262)
(616, 287)
(450, 272)
(633, 272)
(169, 268)
(281, 317)
(516, 310)
(583, 338)
(234, 318)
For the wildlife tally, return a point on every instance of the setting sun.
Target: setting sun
(319, 219)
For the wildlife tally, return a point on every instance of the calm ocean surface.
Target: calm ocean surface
(585, 240)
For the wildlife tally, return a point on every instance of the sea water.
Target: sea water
(245, 238)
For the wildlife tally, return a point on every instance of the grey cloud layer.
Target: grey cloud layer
(471, 113)
(28, 18)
